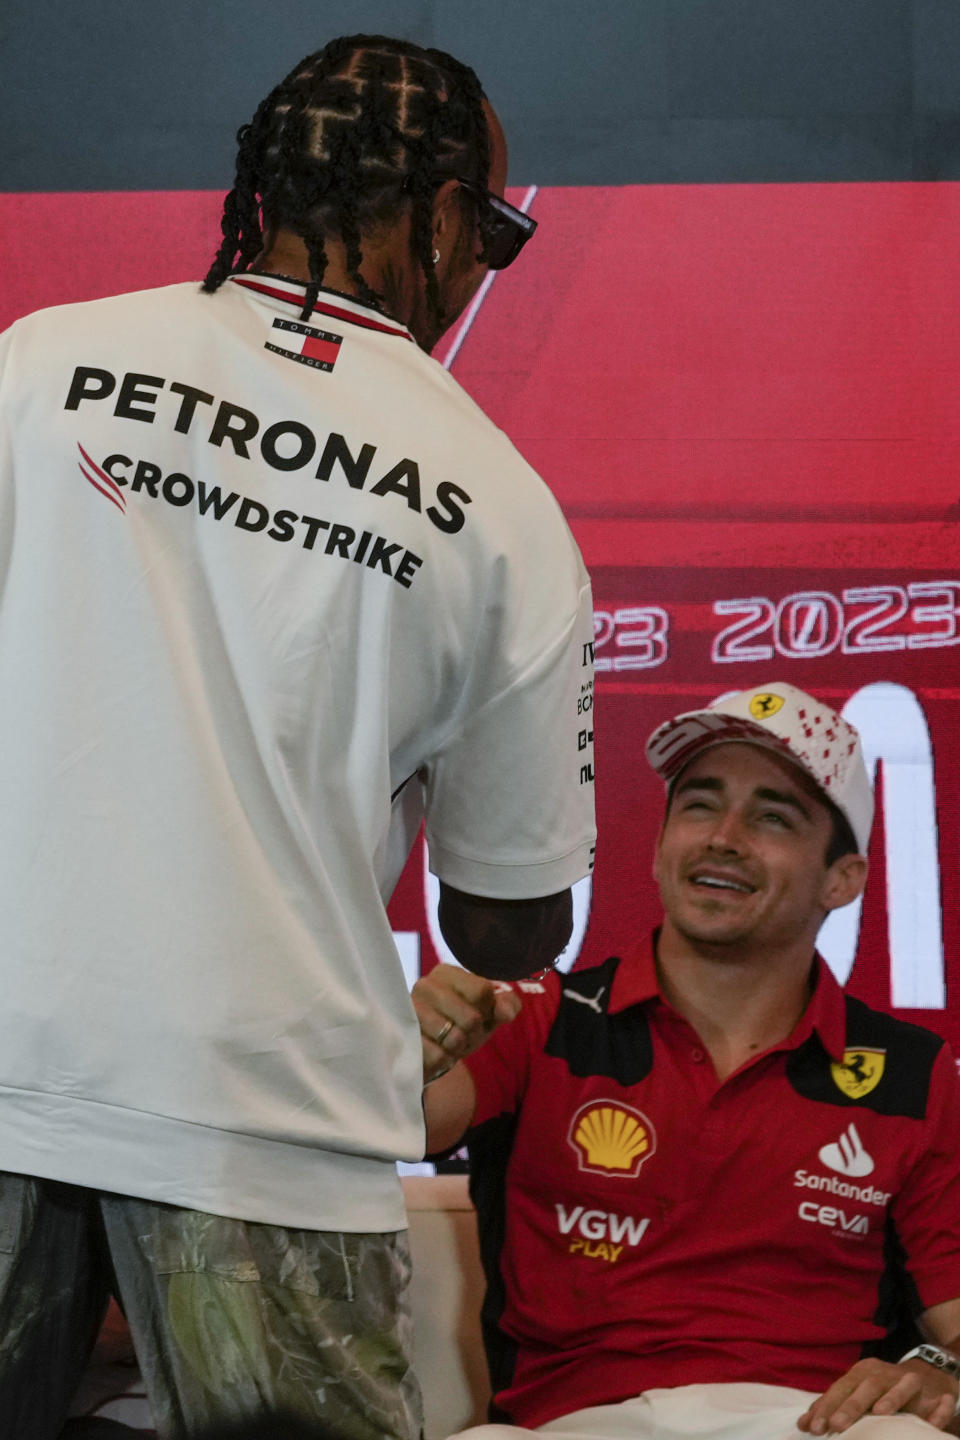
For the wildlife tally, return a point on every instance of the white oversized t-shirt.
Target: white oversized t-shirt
(269, 591)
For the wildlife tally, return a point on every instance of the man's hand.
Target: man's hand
(874, 1387)
(457, 1011)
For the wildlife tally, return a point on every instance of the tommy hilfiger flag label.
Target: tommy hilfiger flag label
(317, 348)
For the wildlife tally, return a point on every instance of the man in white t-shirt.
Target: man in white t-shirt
(272, 590)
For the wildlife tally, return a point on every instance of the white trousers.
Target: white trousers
(705, 1412)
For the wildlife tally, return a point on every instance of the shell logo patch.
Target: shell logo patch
(764, 705)
(859, 1072)
(611, 1139)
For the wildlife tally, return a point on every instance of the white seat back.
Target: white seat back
(447, 1291)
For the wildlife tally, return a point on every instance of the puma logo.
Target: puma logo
(591, 1004)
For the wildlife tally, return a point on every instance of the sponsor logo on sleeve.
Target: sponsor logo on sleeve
(611, 1139)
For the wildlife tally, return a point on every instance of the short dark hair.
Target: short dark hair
(842, 839)
(355, 131)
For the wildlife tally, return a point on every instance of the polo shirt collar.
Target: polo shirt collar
(331, 304)
(826, 1013)
(635, 983)
(635, 980)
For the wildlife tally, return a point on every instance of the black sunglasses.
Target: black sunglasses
(505, 229)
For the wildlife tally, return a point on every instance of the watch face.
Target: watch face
(942, 1359)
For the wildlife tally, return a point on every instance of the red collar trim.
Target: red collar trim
(636, 977)
(636, 982)
(294, 296)
(826, 1013)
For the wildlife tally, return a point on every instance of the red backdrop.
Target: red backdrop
(745, 398)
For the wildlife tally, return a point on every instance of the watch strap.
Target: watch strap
(940, 1359)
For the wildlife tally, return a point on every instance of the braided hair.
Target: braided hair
(353, 132)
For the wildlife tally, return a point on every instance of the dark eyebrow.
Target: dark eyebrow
(780, 797)
(715, 784)
(708, 782)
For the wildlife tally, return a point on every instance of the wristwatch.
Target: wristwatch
(940, 1359)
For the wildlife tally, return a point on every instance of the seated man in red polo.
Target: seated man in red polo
(699, 1168)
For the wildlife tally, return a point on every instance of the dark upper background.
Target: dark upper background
(147, 94)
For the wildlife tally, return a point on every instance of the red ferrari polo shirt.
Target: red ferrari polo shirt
(643, 1225)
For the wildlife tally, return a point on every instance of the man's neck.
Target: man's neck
(739, 1003)
(387, 275)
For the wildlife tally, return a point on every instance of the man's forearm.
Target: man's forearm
(448, 1106)
(505, 939)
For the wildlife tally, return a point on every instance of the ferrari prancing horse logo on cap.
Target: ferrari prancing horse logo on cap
(859, 1072)
(763, 706)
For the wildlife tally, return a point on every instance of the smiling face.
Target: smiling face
(741, 858)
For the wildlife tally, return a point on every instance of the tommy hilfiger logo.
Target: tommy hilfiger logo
(307, 344)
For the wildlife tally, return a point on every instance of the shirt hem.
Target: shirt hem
(511, 882)
(197, 1167)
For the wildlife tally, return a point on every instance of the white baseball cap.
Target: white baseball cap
(789, 722)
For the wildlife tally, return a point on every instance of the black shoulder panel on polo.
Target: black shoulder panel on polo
(899, 1306)
(490, 1146)
(591, 1042)
(909, 1052)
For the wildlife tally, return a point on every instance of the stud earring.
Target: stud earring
(436, 257)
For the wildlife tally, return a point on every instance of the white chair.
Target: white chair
(447, 1291)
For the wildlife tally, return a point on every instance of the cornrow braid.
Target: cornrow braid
(352, 133)
(240, 224)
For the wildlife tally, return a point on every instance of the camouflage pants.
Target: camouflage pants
(229, 1319)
